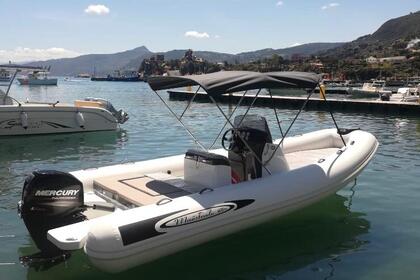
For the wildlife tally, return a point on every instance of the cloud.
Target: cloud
(196, 34)
(216, 36)
(295, 45)
(27, 54)
(97, 10)
(279, 3)
(330, 5)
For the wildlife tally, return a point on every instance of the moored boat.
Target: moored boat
(38, 78)
(25, 118)
(373, 89)
(119, 76)
(4, 76)
(129, 214)
(406, 94)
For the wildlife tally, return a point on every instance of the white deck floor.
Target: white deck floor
(302, 158)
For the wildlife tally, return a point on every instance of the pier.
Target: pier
(316, 104)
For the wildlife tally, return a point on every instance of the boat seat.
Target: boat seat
(140, 190)
(85, 103)
(206, 169)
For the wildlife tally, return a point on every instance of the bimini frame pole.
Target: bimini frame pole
(290, 126)
(275, 111)
(235, 129)
(180, 121)
(11, 82)
(8, 89)
(189, 102)
(332, 115)
(233, 112)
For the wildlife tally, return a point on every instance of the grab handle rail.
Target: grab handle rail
(163, 201)
(206, 190)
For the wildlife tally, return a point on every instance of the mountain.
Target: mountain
(131, 59)
(390, 39)
(304, 49)
(178, 54)
(398, 28)
(244, 57)
(104, 63)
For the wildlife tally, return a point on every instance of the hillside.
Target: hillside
(390, 39)
(304, 49)
(106, 63)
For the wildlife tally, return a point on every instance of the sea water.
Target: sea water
(368, 230)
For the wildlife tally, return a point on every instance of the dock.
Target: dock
(314, 104)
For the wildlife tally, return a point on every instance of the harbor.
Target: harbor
(332, 236)
(261, 151)
(314, 103)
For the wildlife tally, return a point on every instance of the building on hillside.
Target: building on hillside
(371, 60)
(317, 64)
(393, 59)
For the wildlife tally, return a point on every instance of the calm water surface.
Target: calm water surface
(367, 231)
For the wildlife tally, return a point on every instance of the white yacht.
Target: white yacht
(24, 118)
(38, 78)
(406, 94)
(4, 76)
(373, 89)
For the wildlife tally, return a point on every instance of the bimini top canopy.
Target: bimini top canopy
(233, 81)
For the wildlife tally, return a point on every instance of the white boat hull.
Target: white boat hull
(43, 119)
(38, 82)
(124, 239)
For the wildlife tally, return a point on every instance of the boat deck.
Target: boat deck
(303, 158)
(133, 190)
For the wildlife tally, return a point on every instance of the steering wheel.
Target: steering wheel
(228, 140)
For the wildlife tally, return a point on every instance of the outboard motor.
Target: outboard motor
(385, 97)
(120, 115)
(254, 130)
(50, 199)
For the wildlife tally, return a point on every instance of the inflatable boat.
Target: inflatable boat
(128, 214)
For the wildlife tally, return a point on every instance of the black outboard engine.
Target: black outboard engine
(385, 97)
(254, 130)
(50, 199)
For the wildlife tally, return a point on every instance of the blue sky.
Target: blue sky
(46, 28)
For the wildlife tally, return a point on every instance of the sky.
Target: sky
(44, 29)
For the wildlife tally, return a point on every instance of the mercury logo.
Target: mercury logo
(56, 193)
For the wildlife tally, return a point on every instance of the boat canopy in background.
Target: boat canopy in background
(233, 81)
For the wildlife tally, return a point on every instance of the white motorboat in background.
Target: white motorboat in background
(38, 78)
(373, 89)
(129, 214)
(406, 94)
(4, 76)
(24, 118)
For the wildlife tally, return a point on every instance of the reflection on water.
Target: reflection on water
(323, 241)
(47, 147)
(322, 231)
(21, 155)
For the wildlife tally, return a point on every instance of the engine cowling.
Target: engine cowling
(50, 199)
